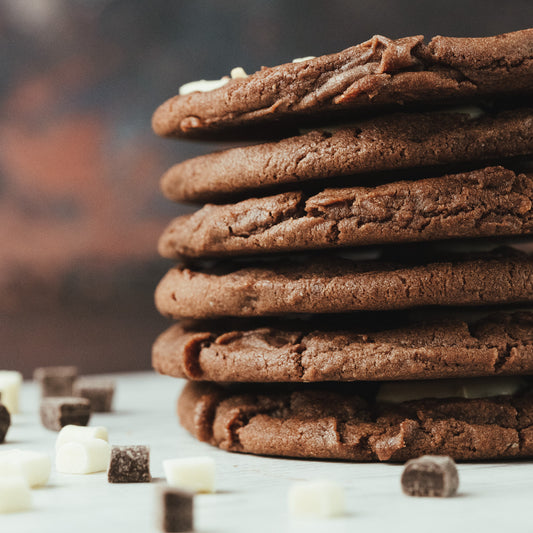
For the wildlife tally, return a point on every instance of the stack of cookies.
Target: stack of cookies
(354, 289)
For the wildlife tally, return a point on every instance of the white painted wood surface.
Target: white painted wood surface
(251, 491)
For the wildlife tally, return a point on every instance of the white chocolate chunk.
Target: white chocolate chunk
(195, 474)
(14, 494)
(238, 72)
(405, 391)
(492, 386)
(300, 59)
(34, 467)
(10, 382)
(86, 457)
(203, 86)
(73, 433)
(320, 498)
(473, 111)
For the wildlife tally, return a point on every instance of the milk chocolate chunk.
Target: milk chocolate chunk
(175, 512)
(5, 422)
(378, 73)
(486, 202)
(430, 475)
(57, 413)
(99, 391)
(386, 143)
(129, 464)
(55, 380)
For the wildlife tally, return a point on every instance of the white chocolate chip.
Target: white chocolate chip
(195, 474)
(396, 392)
(321, 499)
(72, 433)
(14, 494)
(300, 59)
(10, 382)
(85, 457)
(203, 86)
(34, 467)
(238, 72)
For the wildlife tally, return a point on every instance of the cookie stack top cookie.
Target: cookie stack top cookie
(377, 73)
(379, 167)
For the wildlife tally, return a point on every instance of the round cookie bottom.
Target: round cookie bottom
(319, 424)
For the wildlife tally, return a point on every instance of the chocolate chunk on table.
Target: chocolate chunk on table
(57, 413)
(5, 421)
(55, 380)
(99, 391)
(430, 475)
(175, 511)
(129, 464)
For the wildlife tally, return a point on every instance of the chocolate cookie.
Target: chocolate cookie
(379, 72)
(403, 140)
(486, 202)
(499, 344)
(330, 284)
(321, 424)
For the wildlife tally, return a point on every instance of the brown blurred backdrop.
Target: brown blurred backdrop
(80, 208)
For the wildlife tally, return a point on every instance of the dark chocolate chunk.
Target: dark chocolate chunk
(55, 380)
(60, 412)
(98, 390)
(175, 510)
(129, 464)
(5, 421)
(430, 475)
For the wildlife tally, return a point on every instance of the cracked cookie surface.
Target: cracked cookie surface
(319, 423)
(486, 202)
(399, 141)
(379, 72)
(501, 344)
(332, 284)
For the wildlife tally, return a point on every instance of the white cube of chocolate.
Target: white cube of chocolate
(195, 474)
(14, 494)
(10, 382)
(73, 433)
(320, 498)
(34, 467)
(86, 457)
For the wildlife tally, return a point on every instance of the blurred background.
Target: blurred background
(80, 208)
